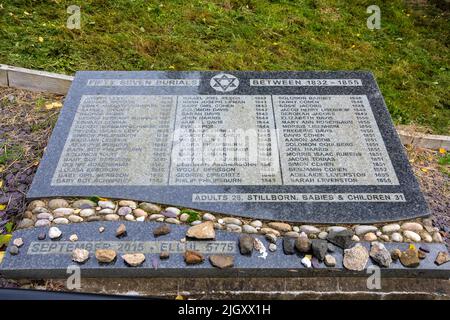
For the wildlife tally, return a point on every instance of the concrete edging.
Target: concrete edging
(36, 80)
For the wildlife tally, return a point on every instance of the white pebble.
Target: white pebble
(54, 233)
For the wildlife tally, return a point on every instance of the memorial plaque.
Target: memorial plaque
(294, 146)
(43, 259)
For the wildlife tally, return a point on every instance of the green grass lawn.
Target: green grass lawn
(409, 55)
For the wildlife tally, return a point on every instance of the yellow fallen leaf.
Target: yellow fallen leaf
(411, 246)
(178, 297)
(53, 105)
(40, 39)
(2, 254)
(2, 168)
(102, 199)
(424, 169)
(2, 207)
(26, 13)
(171, 67)
(442, 151)
(353, 46)
(1, 183)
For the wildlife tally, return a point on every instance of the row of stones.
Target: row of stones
(314, 251)
(60, 211)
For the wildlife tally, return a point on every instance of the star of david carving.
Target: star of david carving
(224, 82)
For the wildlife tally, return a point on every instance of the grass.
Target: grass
(409, 55)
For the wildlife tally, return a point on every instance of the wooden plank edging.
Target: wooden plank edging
(35, 80)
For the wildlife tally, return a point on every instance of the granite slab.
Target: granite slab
(42, 259)
(318, 147)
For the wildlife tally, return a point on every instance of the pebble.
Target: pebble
(233, 228)
(149, 207)
(302, 243)
(362, 230)
(42, 236)
(280, 226)
(329, 260)
(384, 237)
(45, 215)
(184, 217)
(121, 231)
(57, 203)
(106, 204)
(161, 230)
(28, 214)
(256, 223)
(80, 255)
(112, 217)
(39, 210)
(422, 255)
(397, 237)
(155, 216)
(75, 219)
(128, 203)
(94, 218)
(220, 221)
(288, 246)
(410, 258)
(442, 258)
(140, 219)
(164, 255)
(140, 213)
(203, 231)
(370, 237)
(380, 254)
(322, 235)
(412, 226)
(105, 255)
(218, 226)
(222, 261)
(249, 229)
(271, 237)
(26, 223)
(106, 211)
(426, 237)
(396, 254)
(123, 211)
(35, 204)
(437, 237)
(54, 232)
(130, 217)
(87, 212)
(42, 223)
(292, 234)
(319, 248)
(390, 228)
(73, 238)
(83, 204)
(208, 217)
(160, 220)
(13, 250)
(134, 259)
(272, 247)
(355, 238)
(18, 242)
(63, 211)
(270, 230)
(172, 220)
(296, 229)
(356, 258)
(193, 257)
(411, 235)
(309, 229)
(306, 262)
(101, 229)
(246, 244)
(230, 220)
(196, 222)
(336, 229)
(171, 212)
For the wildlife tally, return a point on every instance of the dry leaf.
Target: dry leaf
(2, 254)
(53, 105)
(2, 207)
(179, 297)
(424, 169)
(40, 39)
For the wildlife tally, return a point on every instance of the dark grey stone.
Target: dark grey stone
(288, 245)
(342, 239)
(246, 244)
(50, 259)
(148, 105)
(319, 248)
